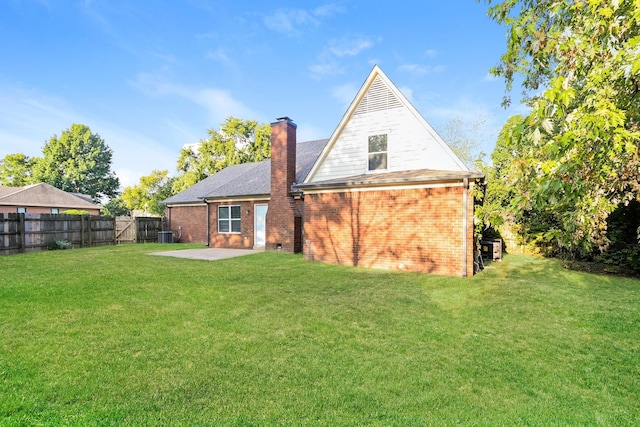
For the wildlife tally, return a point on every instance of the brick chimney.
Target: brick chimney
(284, 220)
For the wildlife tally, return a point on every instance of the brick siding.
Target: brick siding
(193, 223)
(242, 240)
(413, 230)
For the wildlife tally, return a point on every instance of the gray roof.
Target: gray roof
(248, 179)
(422, 176)
(44, 195)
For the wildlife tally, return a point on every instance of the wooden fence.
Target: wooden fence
(138, 229)
(27, 232)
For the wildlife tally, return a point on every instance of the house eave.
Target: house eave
(237, 198)
(391, 181)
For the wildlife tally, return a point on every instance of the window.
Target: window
(378, 152)
(22, 210)
(229, 219)
(54, 210)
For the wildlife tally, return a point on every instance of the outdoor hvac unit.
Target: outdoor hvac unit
(491, 249)
(165, 237)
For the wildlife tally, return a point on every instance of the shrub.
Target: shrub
(75, 212)
(59, 244)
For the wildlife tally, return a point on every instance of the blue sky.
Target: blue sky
(151, 76)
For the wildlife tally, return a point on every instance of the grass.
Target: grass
(113, 336)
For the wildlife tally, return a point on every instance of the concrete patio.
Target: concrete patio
(208, 254)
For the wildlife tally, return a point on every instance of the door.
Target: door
(260, 225)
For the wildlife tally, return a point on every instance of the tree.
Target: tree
(149, 193)
(462, 137)
(115, 207)
(16, 170)
(580, 62)
(238, 141)
(78, 161)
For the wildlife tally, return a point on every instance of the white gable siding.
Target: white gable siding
(410, 145)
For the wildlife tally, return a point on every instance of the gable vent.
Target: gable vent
(378, 98)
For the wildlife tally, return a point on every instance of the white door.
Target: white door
(260, 223)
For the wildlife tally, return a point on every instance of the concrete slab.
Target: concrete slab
(209, 254)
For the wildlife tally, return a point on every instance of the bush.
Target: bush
(59, 244)
(75, 212)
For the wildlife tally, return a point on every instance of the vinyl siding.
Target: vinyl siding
(410, 145)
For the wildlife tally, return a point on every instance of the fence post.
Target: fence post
(90, 231)
(115, 231)
(22, 233)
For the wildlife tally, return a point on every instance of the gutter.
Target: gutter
(465, 223)
(208, 231)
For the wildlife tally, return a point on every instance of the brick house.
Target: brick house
(43, 199)
(384, 191)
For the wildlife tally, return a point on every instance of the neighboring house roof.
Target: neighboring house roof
(424, 176)
(43, 195)
(247, 179)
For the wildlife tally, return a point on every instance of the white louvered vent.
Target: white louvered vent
(377, 98)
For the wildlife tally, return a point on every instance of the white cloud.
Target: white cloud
(328, 10)
(420, 70)
(289, 21)
(327, 62)
(218, 102)
(430, 53)
(219, 55)
(349, 47)
(292, 22)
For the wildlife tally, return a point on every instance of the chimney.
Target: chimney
(284, 220)
(283, 156)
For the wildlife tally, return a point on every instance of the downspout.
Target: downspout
(465, 223)
(207, 221)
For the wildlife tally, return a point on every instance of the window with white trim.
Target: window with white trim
(22, 210)
(378, 152)
(229, 218)
(55, 210)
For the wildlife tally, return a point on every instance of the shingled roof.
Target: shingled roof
(247, 179)
(43, 195)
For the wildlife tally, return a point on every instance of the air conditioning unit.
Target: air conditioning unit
(165, 236)
(491, 249)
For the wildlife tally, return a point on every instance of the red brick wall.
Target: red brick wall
(242, 240)
(413, 230)
(192, 220)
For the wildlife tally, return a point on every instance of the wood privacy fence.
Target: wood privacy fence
(25, 232)
(138, 229)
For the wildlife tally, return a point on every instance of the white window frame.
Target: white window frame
(21, 210)
(373, 153)
(229, 220)
(55, 210)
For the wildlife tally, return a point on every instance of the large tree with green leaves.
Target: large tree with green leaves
(237, 141)
(16, 170)
(78, 161)
(148, 195)
(580, 64)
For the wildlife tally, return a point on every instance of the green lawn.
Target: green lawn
(113, 336)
